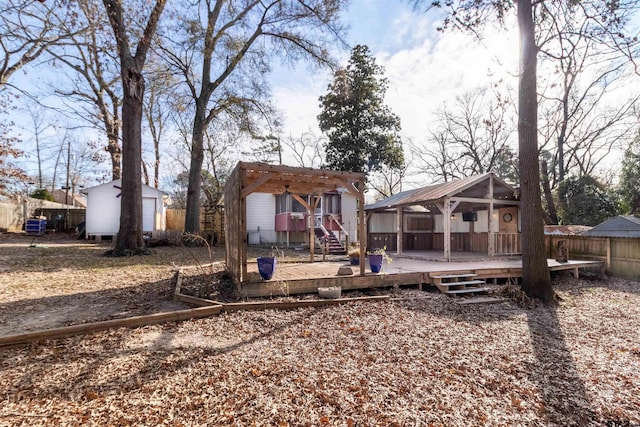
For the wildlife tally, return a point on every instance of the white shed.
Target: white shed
(103, 209)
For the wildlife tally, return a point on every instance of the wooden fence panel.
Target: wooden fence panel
(621, 254)
(11, 217)
(176, 218)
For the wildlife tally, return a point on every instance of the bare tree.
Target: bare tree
(10, 174)
(40, 124)
(28, 28)
(388, 181)
(537, 29)
(305, 149)
(578, 128)
(231, 46)
(131, 66)
(158, 106)
(93, 94)
(471, 137)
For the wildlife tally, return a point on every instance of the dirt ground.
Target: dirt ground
(61, 281)
(416, 360)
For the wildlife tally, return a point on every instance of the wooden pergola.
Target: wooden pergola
(248, 178)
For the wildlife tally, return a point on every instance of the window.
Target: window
(296, 206)
(332, 203)
(281, 203)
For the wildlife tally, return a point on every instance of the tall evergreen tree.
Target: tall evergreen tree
(629, 187)
(362, 130)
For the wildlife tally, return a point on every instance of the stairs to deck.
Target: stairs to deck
(335, 247)
(459, 284)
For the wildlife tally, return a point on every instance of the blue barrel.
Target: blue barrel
(36, 226)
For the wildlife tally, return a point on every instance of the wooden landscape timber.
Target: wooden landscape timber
(130, 322)
(206, 308)
(277, 305)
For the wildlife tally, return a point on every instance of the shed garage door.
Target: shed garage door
(148, 214)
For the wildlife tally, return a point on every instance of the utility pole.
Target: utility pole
(67, 220)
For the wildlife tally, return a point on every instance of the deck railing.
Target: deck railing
(507, 244)
(343, 233)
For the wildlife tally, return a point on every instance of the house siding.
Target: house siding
(349, 212)
(261, 212)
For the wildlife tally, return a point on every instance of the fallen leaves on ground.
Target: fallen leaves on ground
(420, 359)
(411, 361)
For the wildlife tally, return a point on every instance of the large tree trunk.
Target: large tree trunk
(551, 215)
(130, 233)
(192, 216)
(115, 153)
(535, 272)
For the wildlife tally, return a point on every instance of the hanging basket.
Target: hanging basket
(266, 267)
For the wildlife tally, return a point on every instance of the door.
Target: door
(148, 214)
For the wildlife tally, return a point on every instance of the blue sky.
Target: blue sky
(425, 68)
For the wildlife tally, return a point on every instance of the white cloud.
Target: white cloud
(425, 68)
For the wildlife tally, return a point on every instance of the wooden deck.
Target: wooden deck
(407, 269)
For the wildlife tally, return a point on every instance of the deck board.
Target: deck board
(306, 277)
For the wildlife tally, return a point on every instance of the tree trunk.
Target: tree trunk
(130, 233)
(535, 272)
(192, 216)
(551, 215)
(115, 152)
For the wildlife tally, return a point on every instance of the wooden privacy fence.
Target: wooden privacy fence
(11, 217)
(621, 254)
(211, 222)
(59, 216)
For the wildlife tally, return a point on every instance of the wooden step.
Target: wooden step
(469, 282)
(454, 276)
(466, 291)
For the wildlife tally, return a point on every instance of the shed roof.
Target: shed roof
(117, 183)
(473, 187)
(618, 226)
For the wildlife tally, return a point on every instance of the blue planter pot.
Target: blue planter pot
(266, 267)
(354, 261)
(375, 262)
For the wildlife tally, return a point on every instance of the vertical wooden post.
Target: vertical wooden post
(399, 229)
(312, 227)
(361, 226)
(242, 238)
(608, 263)
(490, 236)
(446, 212)
(471, 233)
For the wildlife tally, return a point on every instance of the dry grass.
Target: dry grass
(415, 361)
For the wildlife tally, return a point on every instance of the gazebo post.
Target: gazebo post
(491, 244)
(447, 229)
(362, 229)
(399, 229)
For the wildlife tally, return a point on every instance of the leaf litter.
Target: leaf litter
(413, 361)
